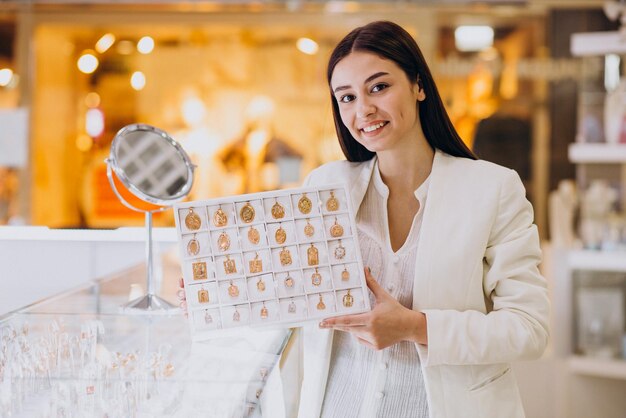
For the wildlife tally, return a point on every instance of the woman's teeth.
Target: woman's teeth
(374, 127)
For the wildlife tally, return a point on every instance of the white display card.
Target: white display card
(281, 258)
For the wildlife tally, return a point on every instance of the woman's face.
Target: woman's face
(376, 101)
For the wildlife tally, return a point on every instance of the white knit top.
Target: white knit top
(388, 383)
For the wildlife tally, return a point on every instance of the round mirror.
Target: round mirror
(151, 164)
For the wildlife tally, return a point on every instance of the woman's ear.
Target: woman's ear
(419, 90)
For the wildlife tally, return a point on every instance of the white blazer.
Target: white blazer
(476, 280)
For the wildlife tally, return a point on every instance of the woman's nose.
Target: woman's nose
(364, 108)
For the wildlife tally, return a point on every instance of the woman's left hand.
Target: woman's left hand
(385, 325)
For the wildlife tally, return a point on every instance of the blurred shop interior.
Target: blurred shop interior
(241, 85)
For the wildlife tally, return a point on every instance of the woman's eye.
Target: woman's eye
(379, 87)
(346, 98)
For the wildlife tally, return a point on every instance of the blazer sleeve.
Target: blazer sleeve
(516, 328)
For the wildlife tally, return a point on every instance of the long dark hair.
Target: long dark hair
(390, 41)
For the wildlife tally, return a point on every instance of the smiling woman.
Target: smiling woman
(450, 244)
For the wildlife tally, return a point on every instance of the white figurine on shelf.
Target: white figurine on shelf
(596, 205)
(615, 115)
(563, 203)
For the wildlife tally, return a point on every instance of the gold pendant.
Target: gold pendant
(219, 218)
(223, 241)
(312, 256)
(345, 275)
(256, 265)
(229, 266)
(321, 305)
(192, 220)
(247, 213)
(193, 246)
(285, 257)
(280, 235)
(304, 204)
(291, 308)
(336, 230)
(278, 210)
(332, 204)
(203, 296)
(208, 319)
(316, 278)
(233, 290)
(260, 285)
(340, 252)
(289, 281)
(348, 300)
(236, 316)
(253, 235)
(309, 230)
(264, 312)
(199, 270)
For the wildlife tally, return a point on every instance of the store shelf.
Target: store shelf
(597, 153)
(597, 260)
(598, 367)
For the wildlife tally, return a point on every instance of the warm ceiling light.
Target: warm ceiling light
(125, 47)
(6, 75)
(105, 42)
(307, 46)
(92, 99)
(145, 45)
(87, 63)
(193, 110)
(473, 38)
(94, 122)
(138, 80)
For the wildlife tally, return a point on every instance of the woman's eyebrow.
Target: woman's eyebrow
(367, 80)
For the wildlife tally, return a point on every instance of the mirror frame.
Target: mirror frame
(121, 175)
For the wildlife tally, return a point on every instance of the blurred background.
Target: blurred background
(535, 85)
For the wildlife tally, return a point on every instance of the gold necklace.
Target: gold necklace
(332, 204)
(199, 270)
(336, 230)
(278, 210)
(304, 204)
(219, 218)
(280, 235)
(309, 230)
(192, 220)
(247, 213)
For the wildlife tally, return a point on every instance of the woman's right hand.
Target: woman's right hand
(181, 297)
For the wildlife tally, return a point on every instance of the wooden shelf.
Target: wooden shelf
(598, 367)
(597, 153)
(597, 260)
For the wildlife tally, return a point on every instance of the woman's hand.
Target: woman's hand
(385, 325)
(182, 299)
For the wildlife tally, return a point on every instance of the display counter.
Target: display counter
(79, 354)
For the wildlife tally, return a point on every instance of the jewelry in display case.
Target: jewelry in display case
(256, 265)
(260, 285)
(264, 312)
(332, 204)
(285, 257)
(312, 255)
(233, 290)
(289, 281)
(304, 204)
(229, 266)
(236, 315)
(193, 246)
(203, 296)
(309, 230)
(340, 251)
(345, 274)
(316, 278)
(199, 270)
(280, 235)
(219, 218)
(336, 230)
(348, 300)
(208, 319)
(223, 241)
(247, 213)
(278, 210)
(321, 305)
(292, 307)
(253, 235)
(192, 220)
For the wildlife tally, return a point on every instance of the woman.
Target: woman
(451, 251)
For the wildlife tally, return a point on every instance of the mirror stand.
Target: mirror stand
(150, 301)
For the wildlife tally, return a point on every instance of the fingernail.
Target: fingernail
(369, 270)
(323, 324)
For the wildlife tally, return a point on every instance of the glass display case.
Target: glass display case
(80, 355)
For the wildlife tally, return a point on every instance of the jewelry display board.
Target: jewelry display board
(282, 257)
